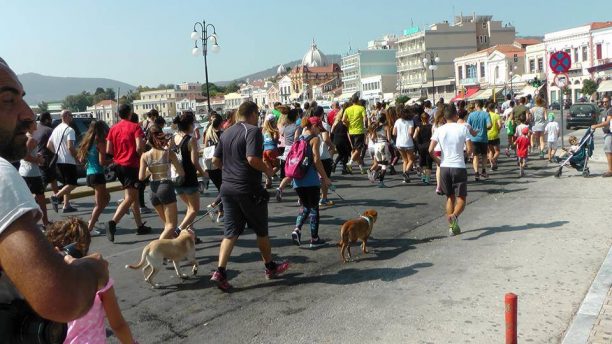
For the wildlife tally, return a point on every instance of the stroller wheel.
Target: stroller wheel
(586, 173)
(558, 173)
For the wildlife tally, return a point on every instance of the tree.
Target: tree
(214, 89)
(232, 87)
(402, 99)
(43, 106)
(589, 87)
(78, 102)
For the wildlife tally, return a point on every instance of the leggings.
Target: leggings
(344, 152)
(215, 176)
(425, 159)
(309, 197)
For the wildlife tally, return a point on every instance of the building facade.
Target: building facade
(165, 100)
(232, 101)
(378, 88)
(364, 64)
(105, 110)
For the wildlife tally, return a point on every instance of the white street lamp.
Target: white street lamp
(203, 36)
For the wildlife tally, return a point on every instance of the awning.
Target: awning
(485, 94)
(605, 86)
(468, 93)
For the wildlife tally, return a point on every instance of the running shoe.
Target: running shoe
(279, 195)
(279, 268)
(334, 165)
(606, 174)
(427, 180)
(220, 217)
(419, 171)
(221, 281)
(145, 210)
(454, 226)
(477, 176)
(349, 168)
(316, 243)
(371, 176)
(381, 185)
(507, 153)
(111, 228)
(143, 229)
(296, 237)
(94, 232)
(439, 191)
(324, 202)
(69, 209)
(363, 170)
(406, 178)
(484, 174)
(55, 203)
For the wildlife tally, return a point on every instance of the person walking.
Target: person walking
(381, 137)
(41, 135)
(480, 122)
(355, 118)
(239, 153)
(452, 137)
(309, 185)
(29, 169)
(437, 123)
(606, 125)
(342, 141)
(326, 150)
(62, 142)
(92, 152)
(125, 143)
(522, 149)
(403, 130)
(271, 137)
(538, 116)
(211, 140)
(551, 131)
(493, 136)
(508, 117)
(422, 138)
(291, 131)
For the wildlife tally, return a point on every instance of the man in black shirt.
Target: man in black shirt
(42, 135)
(245, 201)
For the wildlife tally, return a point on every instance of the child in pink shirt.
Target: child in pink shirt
(90, 328)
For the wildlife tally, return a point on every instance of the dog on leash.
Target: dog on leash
(176, 249)
(354, 229)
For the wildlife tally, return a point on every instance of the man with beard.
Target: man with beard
(57, 288)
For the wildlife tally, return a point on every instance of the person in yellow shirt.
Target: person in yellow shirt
(493, 135)
(355, 119)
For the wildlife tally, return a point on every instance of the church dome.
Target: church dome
(314, 57)
(281, 69)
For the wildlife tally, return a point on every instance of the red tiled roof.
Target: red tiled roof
(332, 68)
(600, 25)
(506, 49)
(528, 41)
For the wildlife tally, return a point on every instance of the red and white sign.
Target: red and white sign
(561, 80)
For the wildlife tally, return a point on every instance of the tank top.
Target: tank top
(29, 169)
(93, 161)
(191, 174)
(268, 142)
(381, 134)
(539, 119)
(424, 135)
(159, 168)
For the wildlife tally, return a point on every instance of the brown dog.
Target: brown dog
(354, 229)
(175, 249)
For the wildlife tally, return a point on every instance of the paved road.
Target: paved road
(417, 286)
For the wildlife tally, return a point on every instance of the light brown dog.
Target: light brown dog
(354, 229)
(175, 249)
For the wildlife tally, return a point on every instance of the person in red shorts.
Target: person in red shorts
(522, 150)
(125, 142)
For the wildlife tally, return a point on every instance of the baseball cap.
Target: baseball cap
(316, 121)
(525, 131)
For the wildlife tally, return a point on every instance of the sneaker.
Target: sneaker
(279, 195)
(507, 153)
(299, 202)
(143, 229)
(419, 171)
(145, 210)
(94, 232)
(324, 202)
(477, 176)
(349, 169)
(454, 226)
(334, 165)
(69, 209)
(111, 228)
(439, 191)
(484, 175)
(220, 217)
(279, 269)
(268, 184)
(221, 281)
(541, 154)
(55, 203)
(381, 185)
(296, 237)
(363, 170)
(371, 176)
(406, 178)
(427, 180)
(316, 243)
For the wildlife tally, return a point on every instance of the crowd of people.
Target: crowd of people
(243, 155)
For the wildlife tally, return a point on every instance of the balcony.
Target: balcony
(408, 52)
(405, 68)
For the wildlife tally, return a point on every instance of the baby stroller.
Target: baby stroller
(580, 158)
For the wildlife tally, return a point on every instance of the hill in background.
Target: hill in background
(52, 88)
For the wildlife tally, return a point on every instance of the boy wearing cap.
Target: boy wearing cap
(522, 150)
(552, 134)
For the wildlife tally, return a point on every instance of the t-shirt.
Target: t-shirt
(452, 138)
(479, 121)
(16, 197)
(519, 130)
(520, 110)
(90, 328)
(42, 135)
(331, 116)
(522, 146)
(276, 114)
(402, 130)
(60, 137)
(123, 137)
(236, 144)
(507, 113)
(493, 133)
(355, 115)
(505, 105)
(552, 131)
(289, 134)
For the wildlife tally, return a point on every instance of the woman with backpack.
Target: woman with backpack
(186, 149)
(306, 182)
(211, 139)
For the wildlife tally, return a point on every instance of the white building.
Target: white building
(284, 89)
(233, 101)
(364, 64)
(589, 49)
(378, 88)
(260, 96)
(386, 42)
(186, 104)
(165, 100)
(105, 110)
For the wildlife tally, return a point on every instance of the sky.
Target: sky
(147, 42)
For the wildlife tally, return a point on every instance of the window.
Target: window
(470, 71)
(598, 51)
(515, 58)
(585, 54)
(484, 25)
(496, 72)
(540, 64)
(460, 72)
(532, 67)
(482, 70)
(575, 54)
(486, 39)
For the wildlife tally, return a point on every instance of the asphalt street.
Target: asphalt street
(417, 285)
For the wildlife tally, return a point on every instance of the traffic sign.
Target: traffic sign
(560, 62)
(561, 80)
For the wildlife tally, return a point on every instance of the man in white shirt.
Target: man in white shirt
(63, 141)
(56, 288)
(453, 174)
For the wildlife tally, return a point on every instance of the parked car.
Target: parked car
(555, 106)
(80, 126)
(582, 115)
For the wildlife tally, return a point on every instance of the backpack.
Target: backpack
(179, 156)
(299, 158)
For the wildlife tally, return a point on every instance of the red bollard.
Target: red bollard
(511, 317)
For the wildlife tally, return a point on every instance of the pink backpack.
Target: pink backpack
(298, 159)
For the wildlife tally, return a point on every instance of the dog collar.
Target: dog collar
(368, 220)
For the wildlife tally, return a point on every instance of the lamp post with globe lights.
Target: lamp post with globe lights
(201, 33)
(431, 61)
(511, 73)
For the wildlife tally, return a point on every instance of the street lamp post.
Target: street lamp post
(512, 69)
(431, 61)
(200, 33)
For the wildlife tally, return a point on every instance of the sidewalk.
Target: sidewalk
(86, 191)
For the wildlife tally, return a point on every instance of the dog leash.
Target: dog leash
(199, 218)
(333, 189)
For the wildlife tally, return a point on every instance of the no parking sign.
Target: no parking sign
(560, 62)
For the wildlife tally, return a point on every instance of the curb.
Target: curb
(582, 324)
(85, 191)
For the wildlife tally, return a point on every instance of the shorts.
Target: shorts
(381, 152)
(480, 148)
(358, 141)
(240, 210)
(453, 181)
(49, 175)
(35, 184)
(551, 145)
(494, 142)
(608, 144)
(68, 173)
(271, 156)
(95, 179)
(186, 190)
(128, 176)
(162, 193)
(327, 166)
(403, 149)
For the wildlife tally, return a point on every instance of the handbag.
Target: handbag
(55, 156)
(207, 155)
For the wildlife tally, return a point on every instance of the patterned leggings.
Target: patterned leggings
(309, 197)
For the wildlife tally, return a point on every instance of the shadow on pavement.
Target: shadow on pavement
(506, 228)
